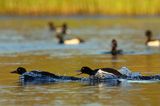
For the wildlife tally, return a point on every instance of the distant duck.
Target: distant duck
(51, 26)
(151, 42)
(100, 72)
(114, 50)
(37, 75)
(61, 32)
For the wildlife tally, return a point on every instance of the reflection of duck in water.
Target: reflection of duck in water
(150, 41)
(114, 50)
(40, 76)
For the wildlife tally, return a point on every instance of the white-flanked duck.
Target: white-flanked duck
(101, 72)
(39, 76)
(61, 32)
(151, 42)
(110, 73)
(114, 50)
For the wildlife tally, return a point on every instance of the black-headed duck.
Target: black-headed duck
(100, 72)
(114, 46)
(63, 32)
(151, 42)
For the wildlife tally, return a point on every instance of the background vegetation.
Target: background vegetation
(74, 7)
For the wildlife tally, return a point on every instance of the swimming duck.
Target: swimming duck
(111, 73)
(51, 26)
(114, 50)
(41, 76)
(100, 72)
(61, 32)
(151, 42)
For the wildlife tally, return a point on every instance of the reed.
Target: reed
(78, 7)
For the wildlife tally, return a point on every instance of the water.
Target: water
(27, 42)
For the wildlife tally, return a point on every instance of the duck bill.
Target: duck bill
(14, 71)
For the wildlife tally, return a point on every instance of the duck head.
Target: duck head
(114, 47)
(114, 44)
(86, 70)
(19, 70)
(148, 34)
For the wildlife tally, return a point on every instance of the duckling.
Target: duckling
(151, 42)
(114, 50)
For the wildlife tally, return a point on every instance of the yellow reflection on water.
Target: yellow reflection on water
(75, 93)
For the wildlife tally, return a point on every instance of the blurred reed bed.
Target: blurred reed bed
(78, 7)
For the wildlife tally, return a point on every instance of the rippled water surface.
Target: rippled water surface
(27, 42)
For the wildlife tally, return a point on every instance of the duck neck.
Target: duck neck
(114, 46)
(149, 39)
(60, 39)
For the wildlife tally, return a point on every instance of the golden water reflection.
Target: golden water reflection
(74, 93)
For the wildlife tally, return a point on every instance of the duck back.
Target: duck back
(73, 41)
(154, 43)
(111, 70)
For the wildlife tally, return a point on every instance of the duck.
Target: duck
(37, 75)
(52, 27)
(151, 42)
(111, 73)
(61, 32)
(100, 72)
(114, 50)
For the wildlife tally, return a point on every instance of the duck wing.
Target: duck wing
(44, 73)
(110, 70)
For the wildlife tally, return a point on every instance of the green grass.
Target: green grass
(74, 7)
